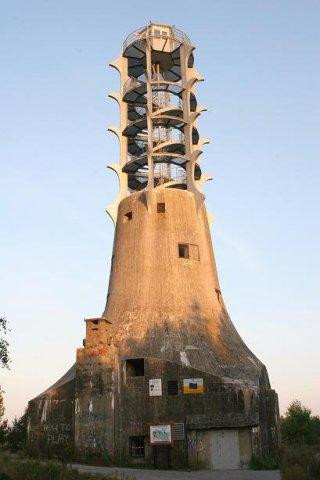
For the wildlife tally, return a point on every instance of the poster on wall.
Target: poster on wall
(160, 434)
(193, 385)
(155, 387)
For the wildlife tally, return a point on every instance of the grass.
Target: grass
(17, 469)
(294, 462)
(297, 463)
(271, 462)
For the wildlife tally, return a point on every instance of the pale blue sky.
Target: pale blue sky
(260, 60)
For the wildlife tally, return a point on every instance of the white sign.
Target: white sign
(160, 434)
(155, 387)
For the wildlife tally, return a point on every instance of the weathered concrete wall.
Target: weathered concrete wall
(221, 405)
(167, 311)
(51, 419)
(94, 404)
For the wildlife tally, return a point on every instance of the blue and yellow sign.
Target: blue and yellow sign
(193, 385)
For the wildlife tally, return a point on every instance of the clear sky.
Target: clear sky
(260, 60)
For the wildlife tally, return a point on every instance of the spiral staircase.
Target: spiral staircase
(159, 140)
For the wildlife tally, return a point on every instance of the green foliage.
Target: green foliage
(299, 427)
(314, 467)
(298, 462)
(270, 462)
(4, 352)
(17, 434)
(4, 430)
(297, 457)
(293, 472)
(3, 424)
(35, 470)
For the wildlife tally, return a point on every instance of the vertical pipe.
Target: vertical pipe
(186, 112)
(149, 113)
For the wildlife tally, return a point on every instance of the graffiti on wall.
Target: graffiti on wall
(57, 433)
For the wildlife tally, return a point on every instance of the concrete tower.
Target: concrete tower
(163, 379)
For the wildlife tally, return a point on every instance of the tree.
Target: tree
(4, 362)
(299, 426)
(17, 433)
(4, 345)
(3, 423)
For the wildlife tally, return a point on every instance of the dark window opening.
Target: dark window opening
(172, 387)
(137, 446)
(135, 367)
(183, 250)
(95, 322)
(127, 216)
(161, 207)
(95, 328)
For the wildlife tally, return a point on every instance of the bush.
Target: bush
(299, 427)
(270, 462)
(300, 463)
(293, 472)
(314, 468)
(34, 470)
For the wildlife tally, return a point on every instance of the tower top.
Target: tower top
(157, 30)
(159, 141)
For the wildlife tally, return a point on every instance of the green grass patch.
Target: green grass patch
(22, 469)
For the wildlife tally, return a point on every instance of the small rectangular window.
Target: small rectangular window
(157, 32)
(137, 446)
(135, 367)
(127, 216)
(164, 33)
(183, 250)
(172, 387)
(161, 207)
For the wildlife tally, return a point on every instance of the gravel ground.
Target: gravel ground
(178, 475)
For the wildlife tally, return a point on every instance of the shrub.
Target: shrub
(35, 470)
(293, 472)
(299, 427)
(270, 462)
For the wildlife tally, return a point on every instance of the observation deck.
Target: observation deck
(159, 140)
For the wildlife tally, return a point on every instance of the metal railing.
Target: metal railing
(140, 34)
(131, 83)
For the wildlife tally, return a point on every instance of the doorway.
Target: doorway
(162, 456)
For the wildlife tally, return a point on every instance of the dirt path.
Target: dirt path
(178, 475)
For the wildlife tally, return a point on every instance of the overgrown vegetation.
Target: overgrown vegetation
(4, 345)
(301, 444)
(271, 462)
(297, 458)
(4, 363)
(17, 469)
(299, 427)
